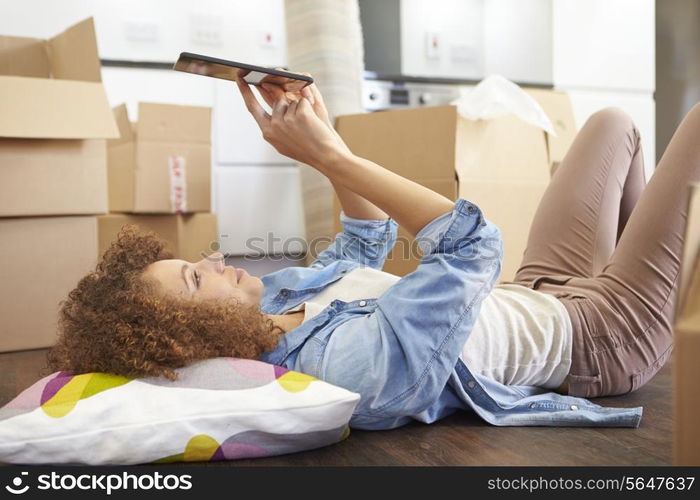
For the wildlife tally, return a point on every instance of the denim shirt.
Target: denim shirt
(400, 351)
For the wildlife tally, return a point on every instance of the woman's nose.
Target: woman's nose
(214, 262)
(216, 256)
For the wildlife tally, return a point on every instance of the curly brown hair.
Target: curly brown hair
(117, 321)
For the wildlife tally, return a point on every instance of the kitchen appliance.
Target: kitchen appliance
(380, 94)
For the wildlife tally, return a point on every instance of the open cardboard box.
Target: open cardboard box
(503, 165)
(162, 164)
(53, 125)
(686, 349)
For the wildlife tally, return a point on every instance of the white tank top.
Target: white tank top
(521, 336)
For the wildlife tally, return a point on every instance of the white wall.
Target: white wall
(603, 54)
(458, 26)
(518, 40)
(131, 85)
(166, 27)
(260, 202)
(604, 44)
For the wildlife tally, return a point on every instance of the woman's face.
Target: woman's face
(207, 279)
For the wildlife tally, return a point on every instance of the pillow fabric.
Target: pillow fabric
(218, 409)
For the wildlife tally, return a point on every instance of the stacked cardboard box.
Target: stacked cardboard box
(64, 163)
(53, 175)
(159, 177)
(503, 165)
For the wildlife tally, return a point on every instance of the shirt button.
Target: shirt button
(533, 405)
(363, 303)
(470, 209)
(471, 384)
(574, 407)
(284, 293)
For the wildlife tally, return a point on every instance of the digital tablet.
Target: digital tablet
(231, 70)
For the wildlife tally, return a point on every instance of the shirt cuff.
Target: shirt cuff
(443, 232)
(368, 229)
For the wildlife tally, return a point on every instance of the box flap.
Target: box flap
(558, 107)
(689, 292)
(73, 53)
(54, 109)
(174, 123)
(126, 129)
(24, 57)
(417, 143)
(504, 149)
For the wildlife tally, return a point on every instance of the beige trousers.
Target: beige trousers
(609, 247)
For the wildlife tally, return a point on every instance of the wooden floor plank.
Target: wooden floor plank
(463, 438)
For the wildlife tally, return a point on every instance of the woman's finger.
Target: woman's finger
(306, 92)
(251, 103)
(280, 109)
(317, 104)
(292, 96)
(267, 97)
(292, 109)
(315, 92)
(274, 90)
(304, 106)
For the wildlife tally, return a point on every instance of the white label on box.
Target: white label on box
(178, 184)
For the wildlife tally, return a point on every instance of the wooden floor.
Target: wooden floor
(463, 439)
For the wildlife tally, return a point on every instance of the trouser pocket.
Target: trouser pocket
(585, 386)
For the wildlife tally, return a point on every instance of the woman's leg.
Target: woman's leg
(577, 225)
(587, 203)
(636, 290)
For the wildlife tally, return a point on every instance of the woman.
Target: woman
(589, 313)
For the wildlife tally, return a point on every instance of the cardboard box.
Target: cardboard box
(42, 260)
(53, 125)
(163, 163)
(503, 165)
(44, 257)
(191, 236)
(686, 350)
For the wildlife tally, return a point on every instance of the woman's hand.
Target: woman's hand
(299, 126)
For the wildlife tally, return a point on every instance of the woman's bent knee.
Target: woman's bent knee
(612, 114)
(613, 122)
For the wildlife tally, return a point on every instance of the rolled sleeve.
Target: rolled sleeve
(365, 241)
(448, 233)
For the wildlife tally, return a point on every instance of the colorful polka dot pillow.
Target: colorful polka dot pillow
(218, 409)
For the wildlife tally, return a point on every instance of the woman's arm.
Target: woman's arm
(412, 205)
(295, 131)
(353, 204)
(356, 206)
